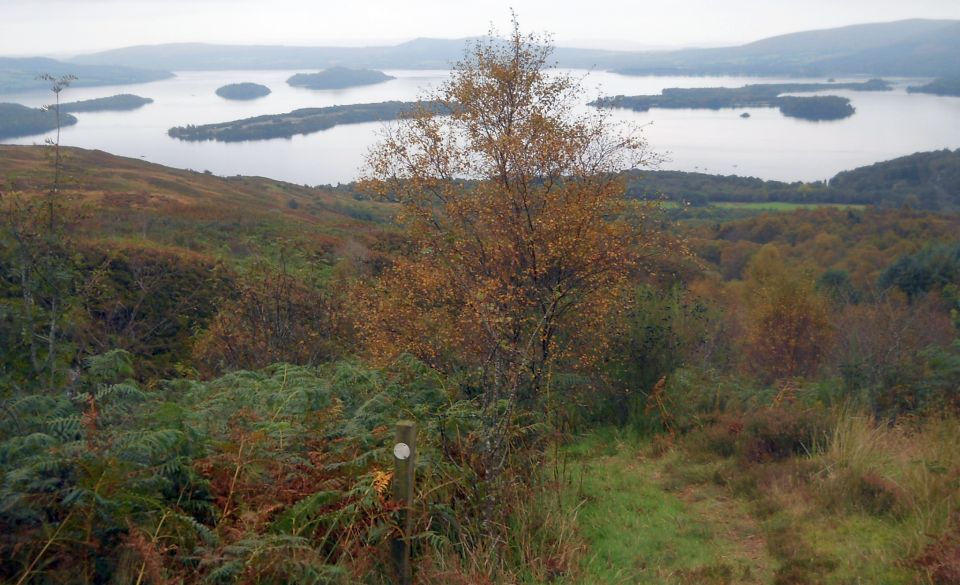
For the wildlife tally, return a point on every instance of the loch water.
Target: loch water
(766, 144)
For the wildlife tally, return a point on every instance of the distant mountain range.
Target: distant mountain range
(910, 48)
(918, 48)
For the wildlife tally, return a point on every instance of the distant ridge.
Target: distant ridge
(908, 47)
(922, 180)
(416, 54)
(915, 47)
(20, 74)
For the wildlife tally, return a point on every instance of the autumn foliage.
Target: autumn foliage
(199, 380)
(520, 237)
(271, 317)
(790, 329)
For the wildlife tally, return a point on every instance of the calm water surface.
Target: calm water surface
(766, 145)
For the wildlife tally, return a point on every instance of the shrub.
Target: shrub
(660, 331)
(272, 317)
(764, 434)
(892, 357)
(782, 431)
(721, 438)
(693, 398)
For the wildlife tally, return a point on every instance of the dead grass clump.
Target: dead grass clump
(905, 470)
(879, 495)
(716, 574)
(941, 559)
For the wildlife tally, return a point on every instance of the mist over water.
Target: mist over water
(766, 145)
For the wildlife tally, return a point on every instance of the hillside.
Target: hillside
(124, 186)
(183, 274)
(923, 180)
(909, 48)
(188, 209)
(20, 74)
(164, 248)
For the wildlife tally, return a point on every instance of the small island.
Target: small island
(117, 103)
(17, 120)
(944, 86)
(338, 78)
(814, 108)
(243, 91)
(303, 121)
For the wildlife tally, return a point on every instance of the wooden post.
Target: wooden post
(404, 457)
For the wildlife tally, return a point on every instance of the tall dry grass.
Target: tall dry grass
(909, 470)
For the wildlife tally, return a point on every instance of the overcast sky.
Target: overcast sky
(58, 27)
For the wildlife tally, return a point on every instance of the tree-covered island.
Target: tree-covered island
(116, 103)
(243, 91)
(338, 78)
(948, 86)
(769, 95)
(17, 120)
(302, 121)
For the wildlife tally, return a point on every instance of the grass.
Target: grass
(783, 206)
(865, 549)
(639, 532)
(729, 211)
(860, 511)
(765, 205)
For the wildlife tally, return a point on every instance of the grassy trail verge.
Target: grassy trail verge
(641, 526)
(865, 511)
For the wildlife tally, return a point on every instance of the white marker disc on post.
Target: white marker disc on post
(401, 451)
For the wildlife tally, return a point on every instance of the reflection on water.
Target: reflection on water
(767, 145)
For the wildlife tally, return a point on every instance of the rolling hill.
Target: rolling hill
(196, 211)
(923, 180)
(908, 47)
